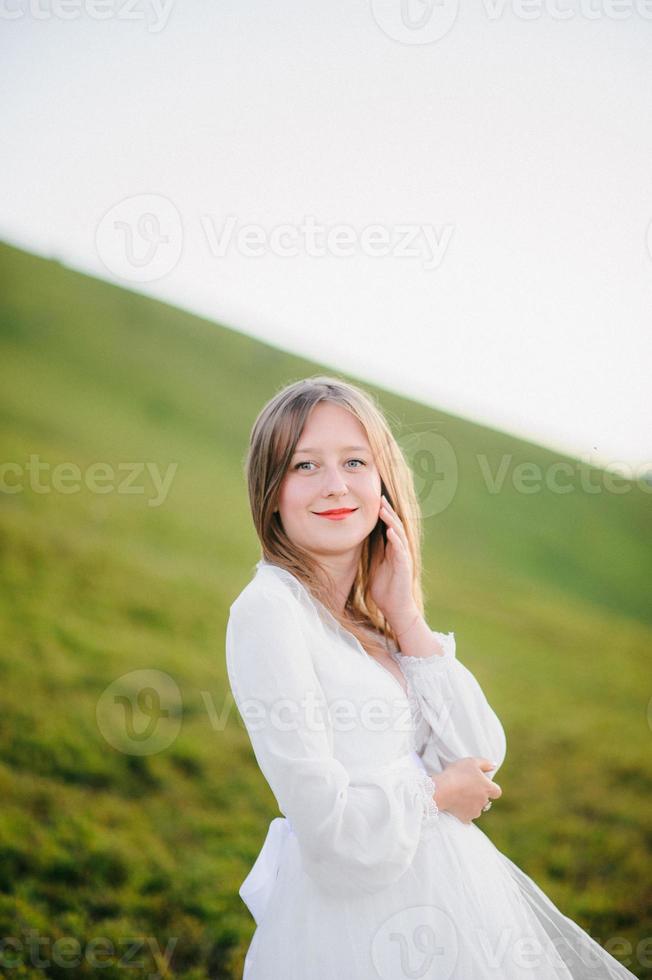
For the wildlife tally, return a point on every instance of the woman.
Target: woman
(378, 744)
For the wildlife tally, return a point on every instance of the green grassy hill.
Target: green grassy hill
(548, 595)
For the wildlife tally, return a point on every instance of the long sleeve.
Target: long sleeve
(354, 834)
(456, 719)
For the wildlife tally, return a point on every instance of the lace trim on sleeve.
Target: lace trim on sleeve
(435, 661)
(426, 790)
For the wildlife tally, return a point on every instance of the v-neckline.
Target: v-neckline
(403, 690)
(338, 626)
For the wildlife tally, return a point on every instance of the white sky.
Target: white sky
(521, 139)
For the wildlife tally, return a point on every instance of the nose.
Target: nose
(334, 483)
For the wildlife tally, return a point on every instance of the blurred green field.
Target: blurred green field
(548, 595)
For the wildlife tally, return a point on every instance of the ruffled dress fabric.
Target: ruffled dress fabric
(363, 877)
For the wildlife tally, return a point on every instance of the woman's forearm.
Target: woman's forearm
(418, 640)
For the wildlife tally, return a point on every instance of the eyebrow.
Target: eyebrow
(345, 449)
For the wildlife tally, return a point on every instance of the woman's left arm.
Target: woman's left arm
(460, 719)
(462, 722)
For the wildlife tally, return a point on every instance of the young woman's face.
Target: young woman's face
(332, 468)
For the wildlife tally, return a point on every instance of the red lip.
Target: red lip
(332, 513)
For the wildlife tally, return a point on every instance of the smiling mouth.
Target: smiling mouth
(340, 512)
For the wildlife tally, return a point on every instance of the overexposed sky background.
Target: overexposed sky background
(504, 147)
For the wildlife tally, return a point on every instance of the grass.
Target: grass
(547, 593)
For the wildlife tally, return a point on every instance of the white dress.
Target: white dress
(361, 878)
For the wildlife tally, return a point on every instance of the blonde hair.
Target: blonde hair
(272, 443)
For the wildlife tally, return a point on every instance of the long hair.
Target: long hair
(274, 437)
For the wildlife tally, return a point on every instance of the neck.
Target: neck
(342, 571)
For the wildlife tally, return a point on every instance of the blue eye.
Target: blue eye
(306, 462)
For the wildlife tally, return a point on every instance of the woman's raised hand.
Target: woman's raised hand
(391, 576)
